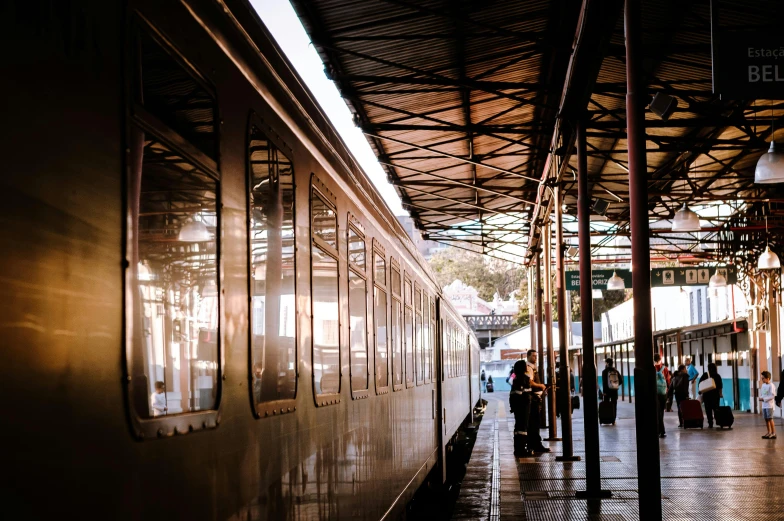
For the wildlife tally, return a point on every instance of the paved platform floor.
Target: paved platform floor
(706, 474)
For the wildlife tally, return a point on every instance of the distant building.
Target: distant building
(426, 248)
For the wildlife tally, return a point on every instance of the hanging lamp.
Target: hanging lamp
(194, 231)
(717, 280)
(770, 166)
(615, 282)
(768, 260)
(685, 220)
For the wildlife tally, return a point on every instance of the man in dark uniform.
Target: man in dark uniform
(520, 404)
(537, 389)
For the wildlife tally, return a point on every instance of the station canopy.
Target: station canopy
(470, 108)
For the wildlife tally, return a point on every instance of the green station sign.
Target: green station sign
(660, 277)
(600, 278)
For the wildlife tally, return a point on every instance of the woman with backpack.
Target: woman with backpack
(661, 393)
(611, 382)
(712, 397)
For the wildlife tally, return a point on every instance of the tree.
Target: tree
(485, 274)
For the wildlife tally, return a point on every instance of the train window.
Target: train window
(356, 249)
(419, 348)
(273, 346)
(396, 340)
(324, 298)
(426, 336)
(172, 285)
(380, 318)
(175, 96)
(324, 222)
(357, 308)
(433, 341)
(408, 325)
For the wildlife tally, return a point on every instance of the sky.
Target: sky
(286, 28)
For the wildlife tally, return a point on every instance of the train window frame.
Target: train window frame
(138, 122)
(288, 405)
(319, 190)
(419, 348)
(353, 268)
(426, 333)
(379, 250)
(408, 306)
(396, 297)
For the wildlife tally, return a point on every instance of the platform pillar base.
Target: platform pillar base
(567, 458)
(599, 494)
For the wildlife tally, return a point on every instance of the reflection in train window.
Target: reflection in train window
(380, 318)
(356, 249)
(397, 340)
(419, 351)
(357, 308)
(173, 299)
(272, 270)
(408, 325)
(174, 96)
(426, 345)
(324, 298)
(324, 222)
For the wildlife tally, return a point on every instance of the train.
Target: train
(210, 312)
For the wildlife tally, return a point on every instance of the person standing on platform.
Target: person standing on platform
(693, 375)
(679, 388)
(611, 382)
(483, 378)
(520, 405)
(537, 389)
(668, 375)
(780, 393)
(661, 394)
(712, 398)
(767, 397)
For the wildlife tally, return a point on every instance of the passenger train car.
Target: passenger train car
(208, 311)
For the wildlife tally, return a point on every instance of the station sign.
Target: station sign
(747, 64)
(599, 277)
(697, 276)
(660, 277)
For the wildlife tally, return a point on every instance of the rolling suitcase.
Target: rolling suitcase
(724, 416)
(606, 413)
(490, 388)
(691, 410)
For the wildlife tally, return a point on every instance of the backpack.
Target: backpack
(613, 379)
(661, 383)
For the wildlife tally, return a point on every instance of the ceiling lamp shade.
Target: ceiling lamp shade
(770, 167)
(686, 221)
(615, 282)
(717, 280)
(768, 260)
(194, 231)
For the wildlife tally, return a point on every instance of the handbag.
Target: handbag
(707, 385)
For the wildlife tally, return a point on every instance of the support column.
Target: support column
(540, 332)
(552, 423)
(563, 368)
(532, 306)
(648, 463)
(593, 481)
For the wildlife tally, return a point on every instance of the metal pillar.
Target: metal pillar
(552, 423)
(540, 332)
(593, 475)
(563, 368)
(648, 463)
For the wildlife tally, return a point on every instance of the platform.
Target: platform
(707, 474)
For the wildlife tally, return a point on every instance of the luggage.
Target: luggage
(613, 379)
(575, 402)
(490, 388)
(606, 413)
(707, 385)
(691, 410)
(724, 416)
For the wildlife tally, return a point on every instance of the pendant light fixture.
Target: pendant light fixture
(768, 260)
(194, 231)
(770, 166)
(615, 282)
(717, 280)
(685, 220)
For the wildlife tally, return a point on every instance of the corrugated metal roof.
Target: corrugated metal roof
(459, 101)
